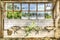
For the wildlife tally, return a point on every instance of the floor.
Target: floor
(21, 34)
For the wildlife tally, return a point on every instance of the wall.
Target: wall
(18, 22)
(10, 39)
(57, 15)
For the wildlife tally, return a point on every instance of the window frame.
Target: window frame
(29, 7)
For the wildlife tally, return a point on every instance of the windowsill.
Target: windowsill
(27, 19)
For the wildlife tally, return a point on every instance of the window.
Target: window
(9, 6)
(9, 14)
(32, 7)
(41, 7)
(29, 10)
(32, 15)
(14, 15)
(17, 15)
(24, 6)
(48, 15)
(17, 6)
(48, 6)
(40, 15)
(25, 15)
(41, 11)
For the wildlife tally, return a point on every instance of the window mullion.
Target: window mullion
(36, 9)
(29, 10)
(44, 9)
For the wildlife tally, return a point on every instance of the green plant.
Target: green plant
(32, 14)
(29, 28)
(29, 14)
(26, 14)
(48, 16)
(14, 15)
(17, 15)
(9, 15)
(32, 27)
(23, 14)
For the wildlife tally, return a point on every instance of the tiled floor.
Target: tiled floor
(28, 39)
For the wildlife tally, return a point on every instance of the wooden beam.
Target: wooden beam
(1, 28)
(54, 4)
(27, 1)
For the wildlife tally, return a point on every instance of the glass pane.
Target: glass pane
(17, 15)
(40, 15)
(24, 15)
(24, 6)
(33, 7)
(40, 7)
(48, 15)
(17, 6)
(49, 6)
(9, 6)
(9, 15)
(32, 15)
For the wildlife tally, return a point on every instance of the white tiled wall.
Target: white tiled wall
(17, 22)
